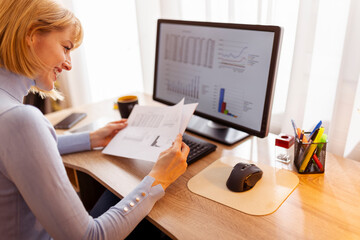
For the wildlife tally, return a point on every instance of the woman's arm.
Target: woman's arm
(34, 165)
(86, 141)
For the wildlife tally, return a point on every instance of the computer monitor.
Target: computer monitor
(229, 69)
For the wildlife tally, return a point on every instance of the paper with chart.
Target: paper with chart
(150, 131)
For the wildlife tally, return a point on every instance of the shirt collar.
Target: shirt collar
(16, 85)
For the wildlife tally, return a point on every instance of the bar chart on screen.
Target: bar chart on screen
(182, 83)
(229, 103)
(222, 104)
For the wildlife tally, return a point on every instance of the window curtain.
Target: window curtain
(318, 74)
(107, 64)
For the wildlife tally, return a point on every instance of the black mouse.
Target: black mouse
(243, 177)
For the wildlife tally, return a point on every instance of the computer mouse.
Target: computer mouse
(243, 177)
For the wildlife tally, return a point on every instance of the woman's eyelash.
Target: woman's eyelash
(67, 48)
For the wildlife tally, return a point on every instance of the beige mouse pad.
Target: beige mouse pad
(264, 198)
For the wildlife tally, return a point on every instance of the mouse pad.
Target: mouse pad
(264, 198)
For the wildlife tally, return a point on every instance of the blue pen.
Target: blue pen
(294, 126)
(316, 128)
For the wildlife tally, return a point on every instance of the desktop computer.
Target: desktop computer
(229, 69)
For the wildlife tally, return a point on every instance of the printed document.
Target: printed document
(150, 130)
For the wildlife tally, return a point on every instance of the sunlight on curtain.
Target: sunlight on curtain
(326, 61)
(318, 74)
(217, 11)
(318, 56)
(194, 10)
(345, 122)
(352, 148)
(110, 47)
(246, 11)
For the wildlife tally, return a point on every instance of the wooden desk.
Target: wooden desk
(323, 206)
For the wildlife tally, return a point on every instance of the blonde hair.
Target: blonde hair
(21, 19)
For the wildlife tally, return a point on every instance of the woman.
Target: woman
(37, 200)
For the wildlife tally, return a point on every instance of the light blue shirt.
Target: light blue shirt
(37, 201)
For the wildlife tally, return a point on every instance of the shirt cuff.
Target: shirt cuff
(76, 142)
(156, 190)
(144, 195)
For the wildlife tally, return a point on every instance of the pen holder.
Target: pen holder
(309, 157)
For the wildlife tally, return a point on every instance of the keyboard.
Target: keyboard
(198, 148)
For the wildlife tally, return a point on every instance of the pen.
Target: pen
(315, 128)
(302, 136)
(294, 127)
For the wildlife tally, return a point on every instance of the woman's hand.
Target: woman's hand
(171, 163)
(102, 136)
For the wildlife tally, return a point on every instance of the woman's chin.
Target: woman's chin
(50, 88)
(46, 81)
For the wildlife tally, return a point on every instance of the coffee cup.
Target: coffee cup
(126, 105)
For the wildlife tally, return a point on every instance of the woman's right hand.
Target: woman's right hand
(171, 163)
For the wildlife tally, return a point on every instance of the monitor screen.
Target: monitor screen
(229, 69)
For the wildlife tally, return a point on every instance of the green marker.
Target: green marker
(320, 146)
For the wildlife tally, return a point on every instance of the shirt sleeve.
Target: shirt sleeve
(76, 142)
(34, 165)
(122, 218)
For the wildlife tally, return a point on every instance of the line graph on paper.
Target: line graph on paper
(235, 55)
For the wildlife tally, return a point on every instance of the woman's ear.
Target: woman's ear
(29, 40)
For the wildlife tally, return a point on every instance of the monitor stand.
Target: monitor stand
(214, 131)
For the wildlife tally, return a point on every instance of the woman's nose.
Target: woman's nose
(67, 64)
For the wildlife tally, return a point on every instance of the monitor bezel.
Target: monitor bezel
(265, 123)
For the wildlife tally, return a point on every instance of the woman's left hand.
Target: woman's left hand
(102, 136)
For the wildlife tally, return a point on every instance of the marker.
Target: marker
(320, 146)
(298, 131)
(311, 149)
(318, 163)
